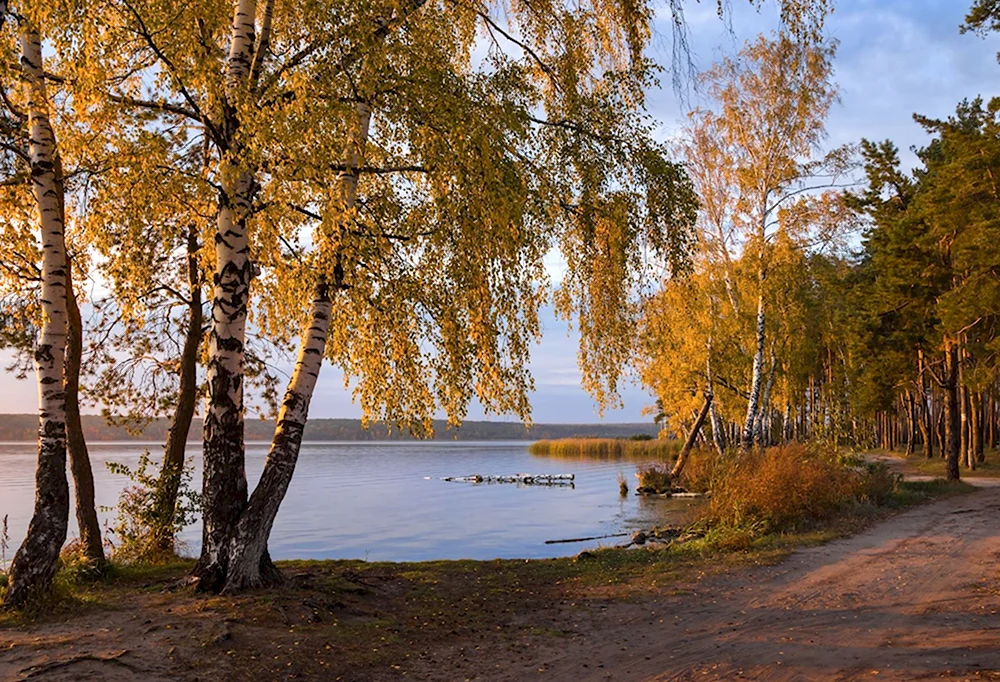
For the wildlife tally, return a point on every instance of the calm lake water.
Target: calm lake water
(385, 501)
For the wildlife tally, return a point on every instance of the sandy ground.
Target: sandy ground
(915, 597)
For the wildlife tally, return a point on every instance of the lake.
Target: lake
(386, 501)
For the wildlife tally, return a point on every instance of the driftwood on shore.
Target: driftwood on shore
(661, 537)
(521, 479)
(674, 492)
(593, 537)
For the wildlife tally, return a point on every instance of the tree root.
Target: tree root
(41, 669)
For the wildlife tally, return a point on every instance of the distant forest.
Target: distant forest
(24, 427)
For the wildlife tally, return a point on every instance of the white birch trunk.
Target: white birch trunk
(249, 563)
(224, 482)
(37, 558)
(718, 434)
(762, 428)
(756, 379)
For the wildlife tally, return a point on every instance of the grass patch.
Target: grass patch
(920, 465)
(610, 449)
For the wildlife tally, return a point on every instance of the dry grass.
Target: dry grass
(654, 478)
(614, 449)
(781, 488)
(699, 473)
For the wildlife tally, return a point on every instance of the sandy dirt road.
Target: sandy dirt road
(913, 598)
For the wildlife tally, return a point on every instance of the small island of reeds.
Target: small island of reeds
(633, 449)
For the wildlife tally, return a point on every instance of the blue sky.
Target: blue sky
(896, 57)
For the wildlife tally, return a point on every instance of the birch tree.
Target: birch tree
(767, 128)
(435, 273)
(37, 557)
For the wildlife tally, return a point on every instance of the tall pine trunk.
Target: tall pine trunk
(952, 418)
(37, 558)
(911, 423)
(79, 458)
(172, 467)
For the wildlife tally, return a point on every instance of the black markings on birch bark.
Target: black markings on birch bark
(224, 483)
(37, 558)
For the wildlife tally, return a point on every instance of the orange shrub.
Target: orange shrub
(780, 488)
(653, 478)
(698, 475)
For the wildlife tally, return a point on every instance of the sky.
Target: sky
(896, 57)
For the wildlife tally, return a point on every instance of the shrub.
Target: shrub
(76, 567)
(653, 478)
(699, 472)
(781, 488)
(622, 484)
(878, 483)
(143, 536)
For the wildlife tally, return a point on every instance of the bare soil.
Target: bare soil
(913, 597)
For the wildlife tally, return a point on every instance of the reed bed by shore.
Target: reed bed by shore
(613, 449)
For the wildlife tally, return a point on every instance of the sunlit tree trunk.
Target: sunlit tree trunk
(699, 421)
(756, 379)
(952, 419)
(762, 429)
(975, 429)
(79, 458)
(249, 565)
(37, 558)
(224, 484)
(911, 423)
(718, 428)
(187, 396)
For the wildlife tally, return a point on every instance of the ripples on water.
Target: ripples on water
(372, 500)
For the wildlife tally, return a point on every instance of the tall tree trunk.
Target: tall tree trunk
(37, 558)
(718, 429)
(249, 565)
(757, 377)
(761, 429)
(963, 409)
(79, 458)
(978, 451)
(952, 418)
(682, 458)
(926, 425)
(172, 467)
(224, 484)
(911, 423)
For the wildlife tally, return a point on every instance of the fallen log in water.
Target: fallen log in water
(595, 537)
(523, 479)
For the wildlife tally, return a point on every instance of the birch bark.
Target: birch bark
(224, 480)
(37, 558)
(756, 379)
(249, 563)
